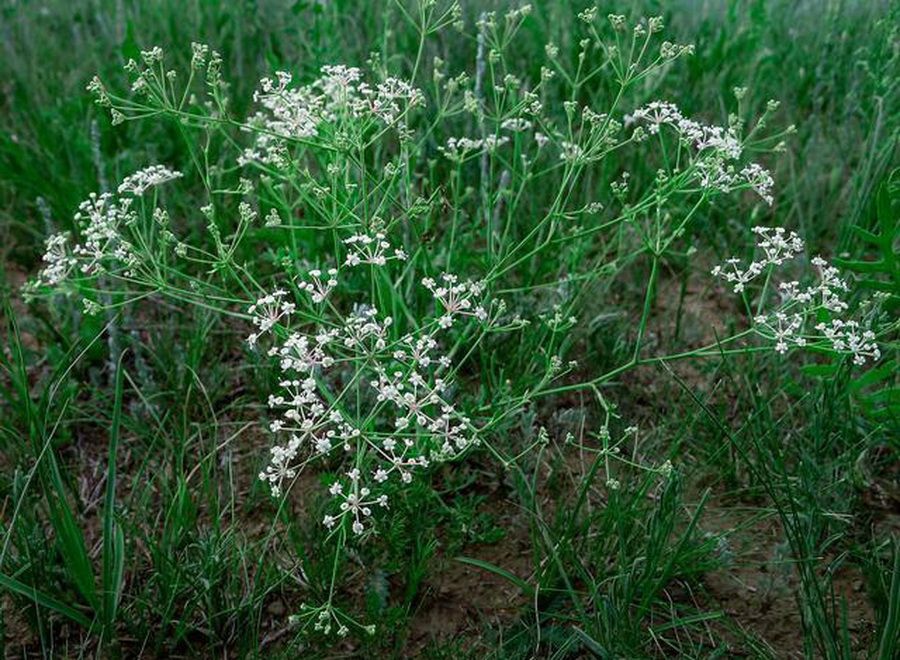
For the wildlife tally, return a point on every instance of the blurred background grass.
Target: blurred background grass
(833, 65)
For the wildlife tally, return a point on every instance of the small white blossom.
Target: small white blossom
(57, 259)
(374, 250)
(320, 285)
(457, 149)
(849, 337)
(267, 311)
(784, 329)
(456, 298)
(142, 180)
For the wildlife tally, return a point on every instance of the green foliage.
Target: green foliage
(879, 390)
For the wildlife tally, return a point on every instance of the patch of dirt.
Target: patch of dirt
(698, 307)
(18, 637)
(687, 316)
(460, 599)
(759, 588)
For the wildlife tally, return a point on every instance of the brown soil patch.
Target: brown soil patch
(760, 589)
(460, 600)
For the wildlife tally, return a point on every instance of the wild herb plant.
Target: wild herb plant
(318, 232)
(407, 255)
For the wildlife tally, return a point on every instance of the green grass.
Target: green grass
(132, 520)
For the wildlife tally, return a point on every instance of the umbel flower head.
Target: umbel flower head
(142, 180)
(793, 323)
(714, 149)
(338, 97)
(403, 418)
(107, 227)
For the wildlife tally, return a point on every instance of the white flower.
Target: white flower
(849, 337)
(515, 125)
(374, 250)
(59, 262)
(830, 286)
(760, 180)
(267, 311)
(320, 286)
(103, 219)
(734, 274)
(570, 152)
(142, 180)
(339, 94)
(456, 298)
(407, 422)
(784, 325)
(783, 329)
(457, 148)
(777, 246)
(364, 332)
(715, 147)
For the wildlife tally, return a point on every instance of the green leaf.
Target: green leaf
(873, 376)
(69, 537)
(526, 588)
(860, 266)
(130, 49)
(820, 370)
(867, 236)
(113, 538)
(42, 599)
(591, 644)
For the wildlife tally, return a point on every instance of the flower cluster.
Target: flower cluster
(320, 285)
(354, 503)
(848, 336)
(716, 146)
(784, 329)
(458, 148)
(402, 417)
(456, 298)
(788, 324)
(777, 247)
(364, 332)
(105, 221)
(267, 311)
(102, 218)
(139, 182)
(423, 403)
(570, 152)
(515, 125)
(373, 250)
(656, 114)
(58, 262)
(340, 93)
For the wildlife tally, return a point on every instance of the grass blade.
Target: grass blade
(113, 538)
(42, 599)
(526, 588)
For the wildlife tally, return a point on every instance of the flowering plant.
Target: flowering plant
(318, 234)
